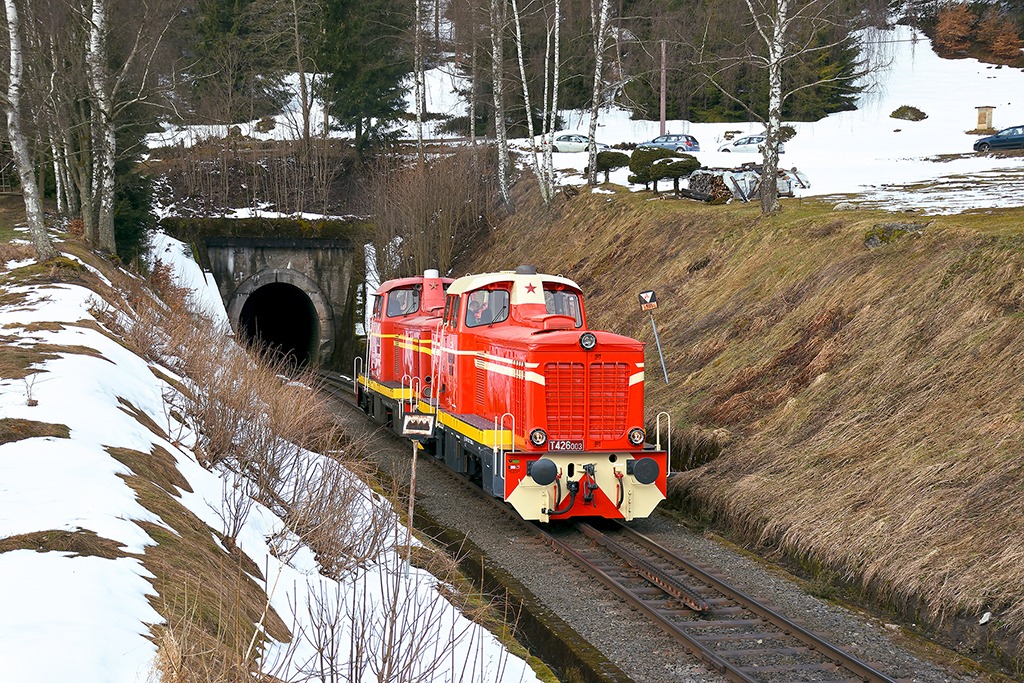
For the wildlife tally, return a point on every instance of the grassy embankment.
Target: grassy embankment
(857, 409)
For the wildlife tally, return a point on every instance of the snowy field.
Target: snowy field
(863, 152)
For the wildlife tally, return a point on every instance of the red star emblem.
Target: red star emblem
(531, 288)
(433, 285)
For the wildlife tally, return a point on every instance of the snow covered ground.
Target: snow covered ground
(65, 617)
(866, 152)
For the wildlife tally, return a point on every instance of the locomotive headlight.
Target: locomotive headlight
(538, 437)
(636, 436)
(588, 340)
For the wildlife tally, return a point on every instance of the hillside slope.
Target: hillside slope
(844, 386)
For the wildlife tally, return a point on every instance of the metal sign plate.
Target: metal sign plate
(417, 424)
(648, 300)
(565, 445)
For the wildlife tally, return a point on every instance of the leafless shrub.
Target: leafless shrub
(423, 212)
(382, 628)
(189, 653)
(236, 504)
(339, 518)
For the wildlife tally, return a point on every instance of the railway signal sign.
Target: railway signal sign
(648, 300)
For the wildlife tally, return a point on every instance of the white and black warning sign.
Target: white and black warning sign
(648, 300)
(417, 424)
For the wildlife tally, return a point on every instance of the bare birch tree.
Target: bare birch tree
(104, 135)
(599, 23)
(552, 58)
(418, 77)
(113, 91)
(790, 31)
(19, 141)
(545, 190)
(497, 26)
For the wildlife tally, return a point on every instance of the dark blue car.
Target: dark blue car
(1008, 138)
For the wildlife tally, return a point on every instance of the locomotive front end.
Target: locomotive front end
(585, 452)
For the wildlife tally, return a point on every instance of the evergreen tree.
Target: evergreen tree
(364, 54)
(954, 29)
(999, 33)
(134, 219)
(240, 61)
(834, 70)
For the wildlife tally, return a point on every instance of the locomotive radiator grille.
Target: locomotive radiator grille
(565, 395)
(581, 406)
(609, 393)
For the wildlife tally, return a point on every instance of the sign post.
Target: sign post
(413, 425)
(648, 302)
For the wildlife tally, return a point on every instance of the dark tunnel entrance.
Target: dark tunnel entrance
(281, 317)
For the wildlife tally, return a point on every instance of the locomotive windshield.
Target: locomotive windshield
(563, 302)
(403, 302)
(487, 307)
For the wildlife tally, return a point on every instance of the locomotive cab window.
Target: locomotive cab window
(486, 307)
(451, 312)
(403, 302)
(378, 304)
(564, 302)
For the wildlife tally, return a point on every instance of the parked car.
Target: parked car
(750, 143)
(573, 142)
(676, 143)
(1008, 138)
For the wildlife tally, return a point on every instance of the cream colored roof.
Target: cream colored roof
(520, 284)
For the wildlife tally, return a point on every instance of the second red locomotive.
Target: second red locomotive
(530, 403)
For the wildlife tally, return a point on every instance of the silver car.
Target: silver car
(676, 143)
(574, 142)
(750, 143)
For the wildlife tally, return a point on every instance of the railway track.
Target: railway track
(728, 630)
(731, 632)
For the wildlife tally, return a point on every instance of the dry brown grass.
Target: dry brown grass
(867, 403)
(13, 429)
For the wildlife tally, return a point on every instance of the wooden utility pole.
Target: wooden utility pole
(662, 87)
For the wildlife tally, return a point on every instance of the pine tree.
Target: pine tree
(999, 33)
(954, 28)
(363, 53)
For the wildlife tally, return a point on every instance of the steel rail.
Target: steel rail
(701, 645)
(841, 657)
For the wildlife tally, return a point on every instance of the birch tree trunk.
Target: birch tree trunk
(300, 66)
(58, 178)
(772, 26)
(419, 78)
(472, 91)
(534, 163)
(599, 25)
(104, 139)
(551, 106)
(497, 25)
(19, 142)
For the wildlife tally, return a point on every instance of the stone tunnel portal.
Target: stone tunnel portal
(281, 317)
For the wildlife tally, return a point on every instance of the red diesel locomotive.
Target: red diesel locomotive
(529, 403)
